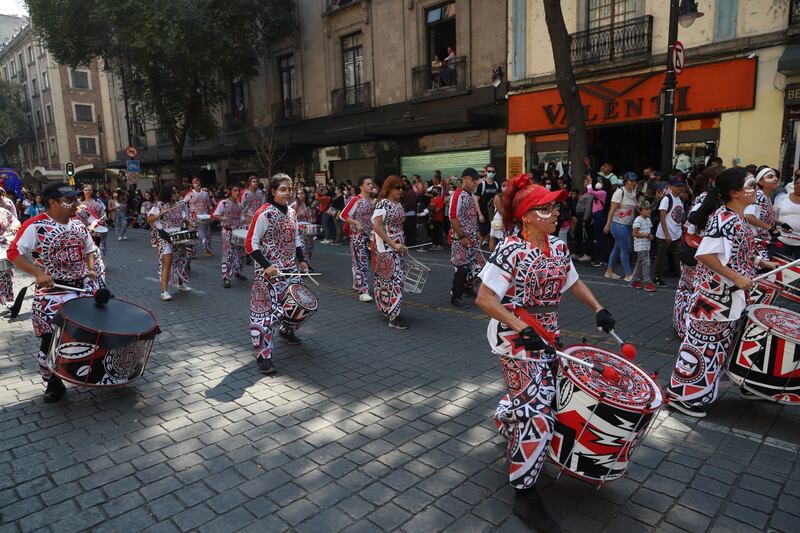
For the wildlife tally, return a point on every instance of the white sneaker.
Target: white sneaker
(364, 298)
(165, 296)
(119, 238)
(628, 277)
(584, 257)
(611, 275)
(184, 288)
(124, 238)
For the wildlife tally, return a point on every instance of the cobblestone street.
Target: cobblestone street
(364, 428)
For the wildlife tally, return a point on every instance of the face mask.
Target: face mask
(490, 174)
(598, 186)
(549, 187)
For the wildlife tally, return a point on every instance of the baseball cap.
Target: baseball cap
(677, 182)
(631, 176)
(471, 172)
(542, 196)
(59, 190)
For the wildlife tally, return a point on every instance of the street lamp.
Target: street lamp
(684, 14)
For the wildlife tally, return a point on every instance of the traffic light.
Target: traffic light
(69, 169)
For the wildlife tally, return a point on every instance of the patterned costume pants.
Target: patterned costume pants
(308, 245)
(102, 244)
(179, 270)
(7, 287)
(204, 232)
(682, 297)
(701, 361)
(44, 308)
(389, 280)
(232, 256)
(359, 253)
(525, 418)
(266, 310)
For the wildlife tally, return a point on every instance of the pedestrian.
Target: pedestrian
(642, 237)
(84, 215)
(727, 261)
(327, 213)
(229, 214)
(147, 204)
(337, 204)
(670, 229)
(787, 211)
(761, 214)
(607, 172)
(619, 222)
(304, 212)
(273, 256)
(388, 244)
(465, 252)
(8, 203)
(583, 222)
(599, 197)
(200, 208)
(485, 192)
(523, 281)
(120, 214)
(36, 207)
(169, 215)
(252, 199)
(409, 201)
(54, 247)
(358, 215)
(497, 232)
(436, 207)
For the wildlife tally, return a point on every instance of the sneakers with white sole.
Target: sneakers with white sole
(364, 298)
(166, 296)
(184, 288)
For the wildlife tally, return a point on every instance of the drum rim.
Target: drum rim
(750, 313)
(145, 335)
(97, 228)
(298, 286)
(659, 391)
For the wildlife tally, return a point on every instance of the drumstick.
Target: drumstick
(609, 373)
(309, 274)
(418, 246)
(775, 271)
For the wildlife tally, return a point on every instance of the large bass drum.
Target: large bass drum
(600, 424)
(299, 305)
(766, 359)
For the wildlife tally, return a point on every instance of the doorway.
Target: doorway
(629, 148)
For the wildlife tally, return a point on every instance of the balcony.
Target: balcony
(335, 5)
(235, 120)
(430, 81)
(628, 41)
(794, 13)
(287, 112)
(350, 99)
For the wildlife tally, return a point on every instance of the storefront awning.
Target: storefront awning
(789, 63)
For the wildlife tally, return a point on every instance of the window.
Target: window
(79, 79)
(42, 150)
(610, 12)
(725, 19)
(84, 113)
(45, 80)
(5, 73)
(352, 60)
(53, 147)
(87, 145)
(48, 114)
(40, 49)
(34, 88)
(13, 67)
(440, 24)
(38, 118)
(30, 54)
(287, 73)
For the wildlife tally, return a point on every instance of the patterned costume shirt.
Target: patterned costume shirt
(8, 223)
(462, 208)
(231, 211)
(762, 209)
(96, 208)
(393, 218)
(359, 209)
(275, 234)
(174, 217)
(199, 203)
(252, 202)
(731, 238)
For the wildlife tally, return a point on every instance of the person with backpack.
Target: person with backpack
(670, 228)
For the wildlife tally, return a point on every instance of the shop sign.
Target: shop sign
(792, 95)
(635, 98)
(515, 166)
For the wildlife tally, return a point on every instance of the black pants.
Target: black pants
(666, 251)
(460, 280)
(437, 237)
(410, 230)
(583, 237)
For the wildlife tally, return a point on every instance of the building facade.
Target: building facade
(68, 112)
(730, 96)
(358, 87)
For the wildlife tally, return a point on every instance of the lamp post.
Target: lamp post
(685, 14)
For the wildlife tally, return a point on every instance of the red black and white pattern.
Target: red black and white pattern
(766, 214)
(683, 295)
(304, 213)
(360, 209)
(388, 263)
(274, 233)
(96, 209)
(462, 208)
(200, 203)
(232, 256)
(86, 217)
(714, 309)
(525, 276)
(8, 226)
(252, 202)
(173, 219)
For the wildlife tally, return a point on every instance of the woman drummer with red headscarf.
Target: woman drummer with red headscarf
(523, 281)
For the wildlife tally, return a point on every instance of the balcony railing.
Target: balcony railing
(353, 98)
(287, 112)
(626, 41)
(236, 120)
(429, 80)
(794, 13)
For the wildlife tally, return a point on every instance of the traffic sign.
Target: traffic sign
(131, 152)
(678, 57)
(133, 166)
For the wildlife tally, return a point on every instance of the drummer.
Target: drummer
(760, 214)
(169, 215)
(523, 281)
(8, 227)
(252, 199)
(274, 243)
(727, 259)
(200, 206)
(92, 224)
(98, 211)
(229, 213)
(388, 240)
(465, 253)
(53, 247)
(358, 215)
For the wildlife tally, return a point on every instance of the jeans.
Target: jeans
(623, 242)
(436, 233)
(329, 226)
(601, 248)
(641, 271)
(120, 223)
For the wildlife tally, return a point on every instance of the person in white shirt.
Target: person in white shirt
(8, 203)
(787, 211)
(670, 229)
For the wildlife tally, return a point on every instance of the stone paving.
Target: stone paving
(364, 428)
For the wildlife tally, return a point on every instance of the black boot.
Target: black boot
(55, 390)
(528, 507)
(289, 335)
(265, 366)
(456, 302)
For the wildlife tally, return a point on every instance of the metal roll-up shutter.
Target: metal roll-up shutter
(352, 169)
(450, 163)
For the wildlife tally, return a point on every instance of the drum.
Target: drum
(788, 280)
(308, 229)
(184, 236)
(203, 218)
(299, 305)
(766, 359)
(416, 275)
(98, 232)
(600, 424)
(5, 264)
(765, 292)
(239, 237)
(101, 346)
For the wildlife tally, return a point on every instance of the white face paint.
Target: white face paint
(749, 184)
(544, 216)
(770, 178)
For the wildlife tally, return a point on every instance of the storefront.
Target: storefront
(623, 117)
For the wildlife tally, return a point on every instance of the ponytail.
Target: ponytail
(699, 217)
(726, 183)
(514, 186)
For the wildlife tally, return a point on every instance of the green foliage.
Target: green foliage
(177, 57)
(14, 127)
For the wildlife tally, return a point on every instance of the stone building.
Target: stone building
(740, 63)
(68, 111)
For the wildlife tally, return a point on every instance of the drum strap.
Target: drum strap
(525, 315)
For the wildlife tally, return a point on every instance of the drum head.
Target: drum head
(778, 321)
(635, 391)
(203, 217)
(117, 319)
(240, 233)
(100, 229)
(304, 297)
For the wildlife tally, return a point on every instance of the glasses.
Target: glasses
(546, 209)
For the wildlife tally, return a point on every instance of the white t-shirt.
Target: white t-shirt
(642, 225)
(674, 217)
(626, 211)
(723, 249)
(788, 212)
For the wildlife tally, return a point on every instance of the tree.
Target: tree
(567, 88)
(177, 57)
(268, 149)
(14, 128)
